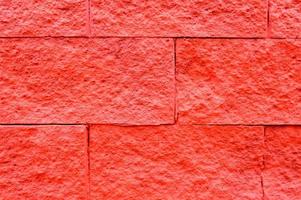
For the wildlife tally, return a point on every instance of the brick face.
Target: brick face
(128, 81)
(176, 162)
(239, 81)
(285, 18)
(43, 162)
(282, 174)
(43, 18)
(209, 18)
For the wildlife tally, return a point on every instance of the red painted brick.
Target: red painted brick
(239, 81)
(176, 162)
(43, 162)
(43, 18)
(87, 80)
(285, 18)
(227, 18)
(282, 174)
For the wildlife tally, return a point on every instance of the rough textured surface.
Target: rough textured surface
(285, 18)
(43, 18)
(239, 81)
(282, 174)
(176, 162)
(214, 18)
(48, 162)
(80, 80)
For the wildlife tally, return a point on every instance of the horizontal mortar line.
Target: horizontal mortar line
(42, 37)
(179, 37)
(130, 125)
(285, 38)
(154, 37)
(138, 125)
(42, 124)
(243, 124)
(239, 38)
(81, 124)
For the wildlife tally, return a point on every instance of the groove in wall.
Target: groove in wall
(263, 162)
(88, 162)
(89, 17)
(268, 20)
(211, 124)
(42, 124)
(146, 125)
(175, 79)
(153, 37)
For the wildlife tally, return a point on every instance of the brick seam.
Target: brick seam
(175, 80)
(89, 17)
(88, 163)
(212, 124)
(42, 124)
(145, 37)
(135, 125)
(268, 20)
(263, 163)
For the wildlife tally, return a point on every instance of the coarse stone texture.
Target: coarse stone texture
(209, 18)
(43, 18)
(285, 18)
(176, 162)
(43, 162)
(128, 81)
(239, 81)
(282, 174)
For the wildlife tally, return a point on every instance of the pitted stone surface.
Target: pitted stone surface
(43, 162)
(239, 81)
(79, 80)
(43, 18)
(285, 18)
(176, 162)
(207, 18)
(282, 174)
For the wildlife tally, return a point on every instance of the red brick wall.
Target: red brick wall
(150, 100)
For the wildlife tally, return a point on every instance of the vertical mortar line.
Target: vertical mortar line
(268, 20)
(263, 162)
(88, 162)
(175, 79)
(89, 17)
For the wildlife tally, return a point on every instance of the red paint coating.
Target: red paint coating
(176, 162)
(285, 18)
(43, 162)
(282, 174)
(81, 62)
(207, 18)
(128, 81)
(239, 81)
(19, 18)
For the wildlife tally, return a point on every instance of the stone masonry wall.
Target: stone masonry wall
(150, 99)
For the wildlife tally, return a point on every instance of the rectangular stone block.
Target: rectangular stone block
(127, 81)
(237, 81)
(176, 162)
(207, 18)
(285, 18)
(43, 18)
(43, 162)
(282, 174)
